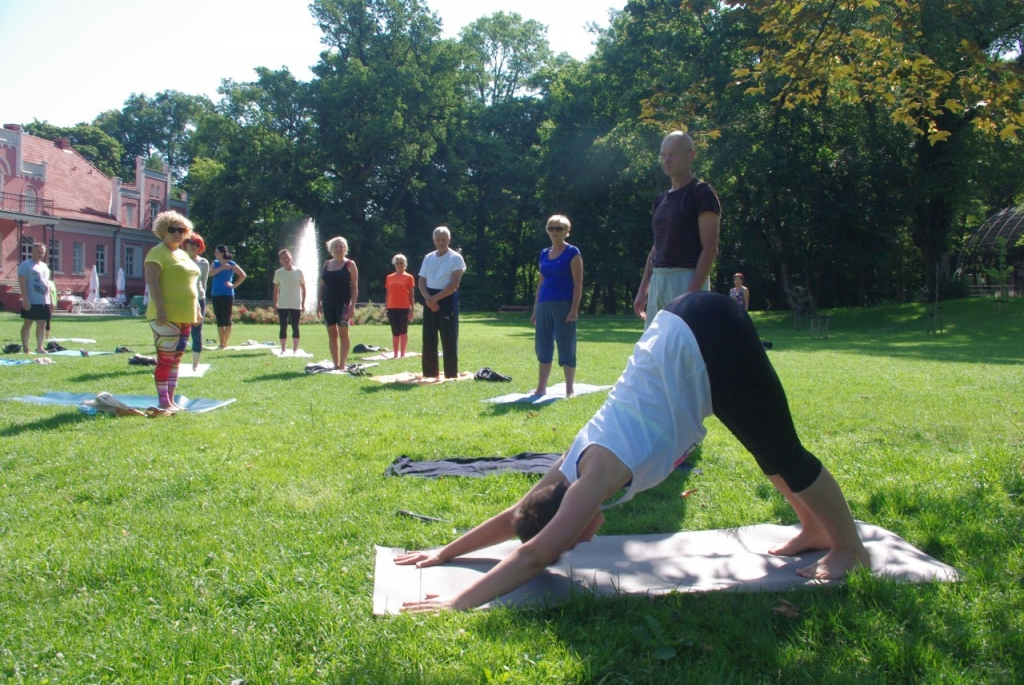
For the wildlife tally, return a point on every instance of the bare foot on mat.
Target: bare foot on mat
(836, 564)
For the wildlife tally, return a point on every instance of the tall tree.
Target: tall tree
(253, 174)
(504, 55)
(161, 125)
(384, 95)
(941, 69)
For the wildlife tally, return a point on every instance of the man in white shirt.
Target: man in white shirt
(34, 282)
(439, 280)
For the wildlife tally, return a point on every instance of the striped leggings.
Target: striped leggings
(552, 328)
(171, 341)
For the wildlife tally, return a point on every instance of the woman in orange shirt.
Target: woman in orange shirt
(400, 286)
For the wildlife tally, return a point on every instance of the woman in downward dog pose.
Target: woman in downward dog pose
(699, 356)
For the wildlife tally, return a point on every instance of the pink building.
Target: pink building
(50, 193)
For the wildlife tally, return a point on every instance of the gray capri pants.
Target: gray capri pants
(551, 329)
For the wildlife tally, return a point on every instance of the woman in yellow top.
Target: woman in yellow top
(171, 276)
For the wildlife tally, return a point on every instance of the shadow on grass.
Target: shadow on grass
(119, 373)
(46, 424)
(279, 376)
(381, 387)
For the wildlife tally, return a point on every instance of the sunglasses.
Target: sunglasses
(555, 227)
(177, 229)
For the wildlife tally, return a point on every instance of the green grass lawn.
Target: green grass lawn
(238, 544)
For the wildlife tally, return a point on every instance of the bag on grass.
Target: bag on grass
(489, 374)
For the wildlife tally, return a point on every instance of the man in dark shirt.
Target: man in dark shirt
(685, 222)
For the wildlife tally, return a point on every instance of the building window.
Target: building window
(129, 216)
(55, 256)
(154, 209)
(101, 260)
(26, 248)
(132, 262)
(78, 258)
(30, 200)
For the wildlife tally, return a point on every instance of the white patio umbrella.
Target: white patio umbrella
(120, 284)
(93, 293)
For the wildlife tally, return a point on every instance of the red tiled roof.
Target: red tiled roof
(78, 189)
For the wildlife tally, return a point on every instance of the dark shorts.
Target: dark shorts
(399, 320)
(334, 315)
(222, 305)
(38, 312)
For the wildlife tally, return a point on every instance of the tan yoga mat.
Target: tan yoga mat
(696, 561)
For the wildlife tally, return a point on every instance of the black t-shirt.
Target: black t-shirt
(676, 229)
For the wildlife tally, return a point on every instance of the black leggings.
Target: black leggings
(288, 315)
(746, 394)
(222, 305)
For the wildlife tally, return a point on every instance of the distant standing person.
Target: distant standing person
(740, 292)
(195, 246)
(339, 288)
(224, 272)
(289, 298)
(171, 276)
(440, 275)
(400, 287)
(34, 282)
(557, 305)
(686, 221)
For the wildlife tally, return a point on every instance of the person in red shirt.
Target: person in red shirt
(400, 287)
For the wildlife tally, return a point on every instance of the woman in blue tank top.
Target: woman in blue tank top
(222, 291)
(557, 304)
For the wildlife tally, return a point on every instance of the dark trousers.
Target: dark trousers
(446, 322)
(746, 394)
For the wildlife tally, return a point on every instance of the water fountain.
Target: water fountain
(307, 260)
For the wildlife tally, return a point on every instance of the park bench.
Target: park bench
(818, 325)
(521, 308)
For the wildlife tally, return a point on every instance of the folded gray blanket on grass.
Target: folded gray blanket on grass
(524, 462)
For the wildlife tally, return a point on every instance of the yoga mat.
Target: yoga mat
(555, 392)
(198, 406)
(696, 561)
(476, 467)
(185, 371)
(14, 362)
(410, 378)
(288, 354)
(386, 356)
(75, 353)
(81, 341)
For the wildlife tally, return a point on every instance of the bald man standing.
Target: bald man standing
(686, 223)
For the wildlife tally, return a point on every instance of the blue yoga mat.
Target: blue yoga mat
(134, 401)
(14, 362)
(554, 393)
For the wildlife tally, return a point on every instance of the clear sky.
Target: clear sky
(68, 60)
